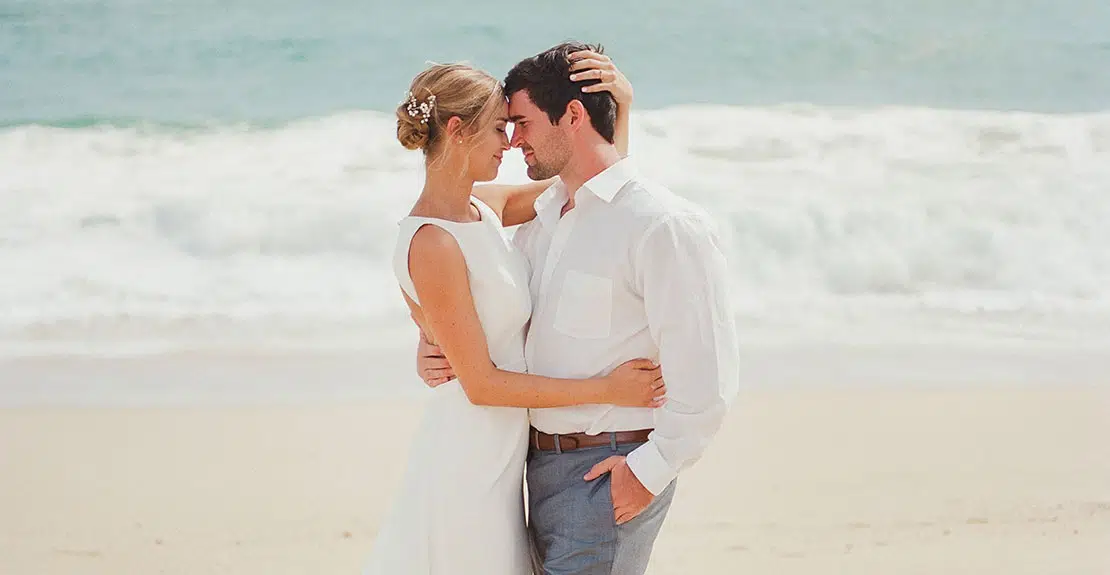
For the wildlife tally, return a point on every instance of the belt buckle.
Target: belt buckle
(572, 439)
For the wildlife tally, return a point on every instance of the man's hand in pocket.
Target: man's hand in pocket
(630, 497)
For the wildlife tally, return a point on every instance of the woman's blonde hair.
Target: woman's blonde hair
(437, 94)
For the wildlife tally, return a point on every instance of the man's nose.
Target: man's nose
(517, 140)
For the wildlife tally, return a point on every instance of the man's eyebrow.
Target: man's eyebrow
(515, 119)
(504, 119)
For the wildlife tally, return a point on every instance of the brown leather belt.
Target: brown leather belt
(572, 441)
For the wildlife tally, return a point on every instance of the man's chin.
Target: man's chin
(535, 173)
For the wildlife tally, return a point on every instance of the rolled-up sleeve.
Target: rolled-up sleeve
(683, 278)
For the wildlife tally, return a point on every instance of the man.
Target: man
(621, 268)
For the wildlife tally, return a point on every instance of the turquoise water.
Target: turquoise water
(80, 62)
(203, 174)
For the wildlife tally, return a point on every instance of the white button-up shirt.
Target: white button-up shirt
(633, 270)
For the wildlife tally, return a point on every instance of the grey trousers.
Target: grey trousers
(571, 520)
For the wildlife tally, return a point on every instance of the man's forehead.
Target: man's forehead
(520, 96)
(520, 104)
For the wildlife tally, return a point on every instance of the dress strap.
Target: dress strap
(409, 226)
(486, 211)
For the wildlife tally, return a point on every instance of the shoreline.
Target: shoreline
(295, 377)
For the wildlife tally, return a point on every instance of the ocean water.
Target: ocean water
(202, 175)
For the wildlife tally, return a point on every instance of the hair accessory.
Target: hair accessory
(418, 108)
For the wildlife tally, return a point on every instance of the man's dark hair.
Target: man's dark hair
(546, 79)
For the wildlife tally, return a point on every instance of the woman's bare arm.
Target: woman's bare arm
(439, 273)
(514, 204)
(590, 65)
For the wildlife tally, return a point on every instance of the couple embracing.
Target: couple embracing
(594, 348)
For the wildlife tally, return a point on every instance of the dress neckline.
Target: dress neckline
(473, 201)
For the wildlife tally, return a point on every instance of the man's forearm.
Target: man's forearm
(685, 289)
(675, 445)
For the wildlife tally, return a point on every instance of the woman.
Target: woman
(461, 507)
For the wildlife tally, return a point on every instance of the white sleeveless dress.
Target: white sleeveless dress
(460, 509)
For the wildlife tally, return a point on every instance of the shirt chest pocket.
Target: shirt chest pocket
(585, 306)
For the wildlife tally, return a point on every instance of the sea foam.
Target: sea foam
(839, 222)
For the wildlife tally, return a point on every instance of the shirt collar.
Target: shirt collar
(549, 204)
(605, 185)
(610, 181)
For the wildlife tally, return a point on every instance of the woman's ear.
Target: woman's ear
(454, 129)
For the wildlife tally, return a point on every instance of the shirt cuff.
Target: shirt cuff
(648, 465)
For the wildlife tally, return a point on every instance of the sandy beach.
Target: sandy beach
(1004, 480)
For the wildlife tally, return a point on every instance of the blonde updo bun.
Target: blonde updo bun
(412, 134)
(439, 93)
